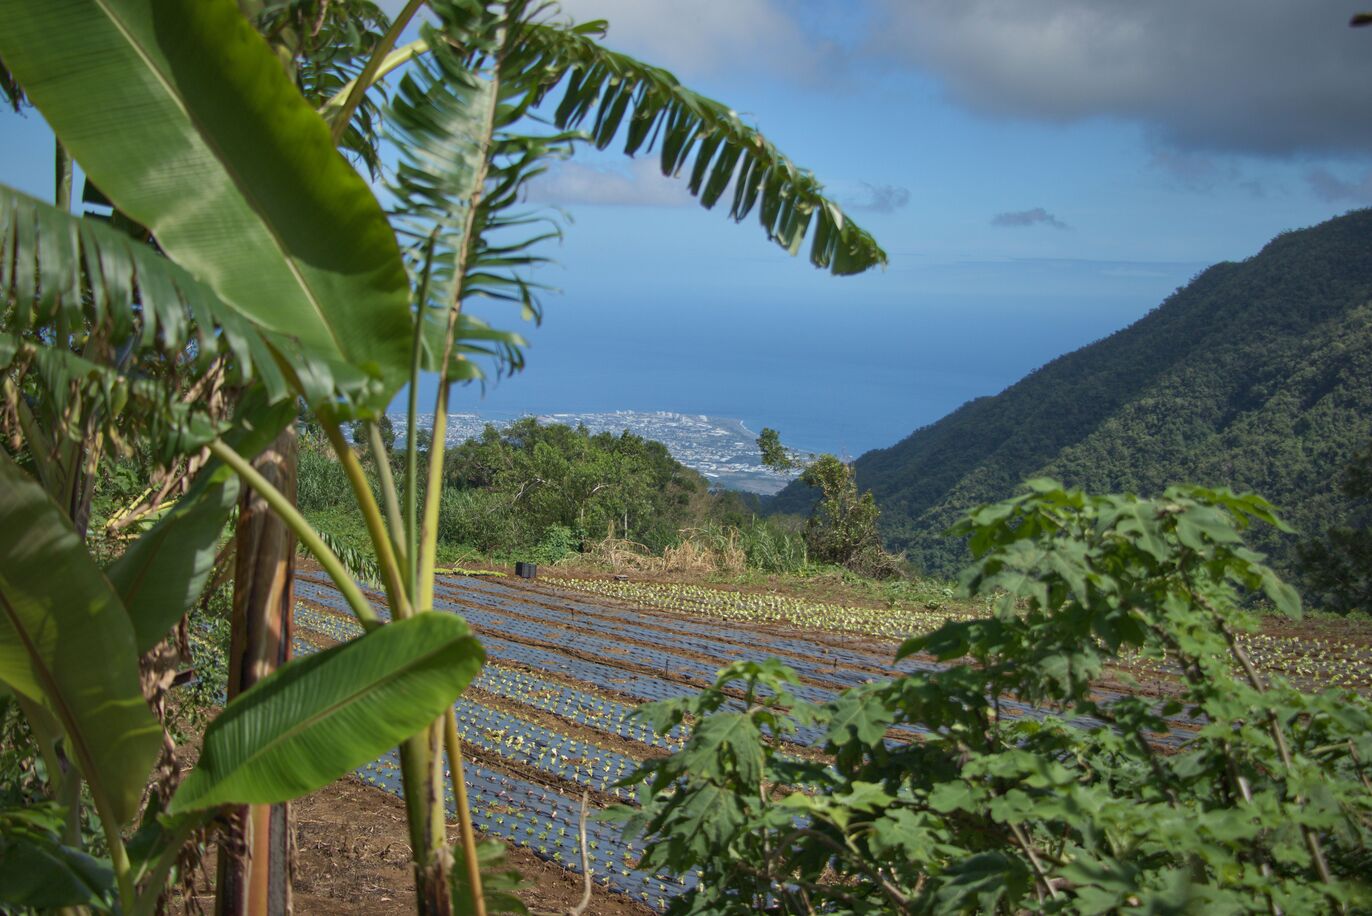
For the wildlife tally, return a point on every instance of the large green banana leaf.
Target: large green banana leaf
(38, 871)
(161, 575)
(323, 715)
(163, 572)
(182, 115)
(66, 642)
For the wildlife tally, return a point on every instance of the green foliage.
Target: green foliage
(766, 544)
(499, 882)
(295, 243)
(286, 280)
(532, 476)
(321, 483)
(209, 639)
(558, 543)
(1337, 569)
(1255, 375)
(481, 519)
(22, 776)
(360, 561)
(1262, 806)
(775, 455)
(39, 871)
(163, 573)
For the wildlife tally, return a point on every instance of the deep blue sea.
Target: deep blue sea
(842, 379)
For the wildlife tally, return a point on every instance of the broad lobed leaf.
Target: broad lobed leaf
(323, 715)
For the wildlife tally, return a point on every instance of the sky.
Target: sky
(1041, 174)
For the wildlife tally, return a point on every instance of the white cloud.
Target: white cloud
(1035, 217)
(1250, 76)
(708, 37)
(640, 184)
(871, 198)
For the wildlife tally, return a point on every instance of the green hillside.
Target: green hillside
(1256, 375)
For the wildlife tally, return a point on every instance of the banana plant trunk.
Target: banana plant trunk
(254, 874)
(421, 762)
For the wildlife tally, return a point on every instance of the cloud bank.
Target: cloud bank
(1267, 77)
(1327, 186)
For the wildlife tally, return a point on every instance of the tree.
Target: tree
(775, 455)
(842, 527)
(1337, 568)
(292, 278)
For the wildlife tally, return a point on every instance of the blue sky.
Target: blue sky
(1041, 174)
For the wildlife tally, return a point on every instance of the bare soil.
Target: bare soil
(353, 859)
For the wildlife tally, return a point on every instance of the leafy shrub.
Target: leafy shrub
(842, 529)
(1261, 804)
(558, 543)
(479, 519)
(320, 481)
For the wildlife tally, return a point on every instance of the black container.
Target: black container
(526, 570)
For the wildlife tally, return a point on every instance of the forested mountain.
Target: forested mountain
(1256, 375)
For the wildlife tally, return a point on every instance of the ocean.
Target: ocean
(840, 381)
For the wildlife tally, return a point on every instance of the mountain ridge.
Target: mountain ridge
(1255, 375)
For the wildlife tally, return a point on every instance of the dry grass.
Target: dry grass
(692, 556)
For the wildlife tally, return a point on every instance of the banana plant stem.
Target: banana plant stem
(371, 514)
(369, 72)
(394, 524)
(289, 514)
(428, 532)
(147, 904)
(464, 812)
(412, 422)
(119, 856)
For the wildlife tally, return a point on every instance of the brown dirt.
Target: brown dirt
(352, 859)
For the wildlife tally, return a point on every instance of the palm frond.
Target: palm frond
(361, 563)
(459, 181)
(174, 426)
(59, 270)
(332, 40)
(698, 137)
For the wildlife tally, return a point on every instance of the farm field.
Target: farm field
(568, 659)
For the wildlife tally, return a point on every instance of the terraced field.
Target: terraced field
(568, 660)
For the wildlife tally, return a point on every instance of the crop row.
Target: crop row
(606, 676)
(542, 819)
(1308, 660)
(725, 604)
(819, 663)
(546, 822)
(561, 700)
(566, 758)
(574, 705)
(587, 615)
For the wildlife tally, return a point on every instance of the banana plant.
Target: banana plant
(274, 256)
